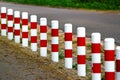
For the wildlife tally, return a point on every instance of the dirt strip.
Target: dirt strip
(17, 63)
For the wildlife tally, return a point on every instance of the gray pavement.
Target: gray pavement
(108, 24)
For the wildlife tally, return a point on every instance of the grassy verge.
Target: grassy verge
(87, 4)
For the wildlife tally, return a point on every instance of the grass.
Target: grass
(74, 66)
(88, 4)
(61, 55)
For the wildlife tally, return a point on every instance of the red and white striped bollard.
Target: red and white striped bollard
(96, 56)
(17, 26)
(43, 37)
(109, 59)
(118, 63)
(68, 45)
(3, 22)
(55, 41)
(33, 32)
(25, 29)
(10, 23)
(81, 50)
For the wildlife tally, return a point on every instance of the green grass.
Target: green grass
(61, 55)
(88, 4)
(74, 66)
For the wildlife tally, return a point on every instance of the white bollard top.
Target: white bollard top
(43, 21)
(24, 15)
(17, 14)
(96, 37)
(109, 44)
(10, 11)
(54, 24)
(3, 9)
(118, 52)
(68, 27)
(81, 32)
(33, 18)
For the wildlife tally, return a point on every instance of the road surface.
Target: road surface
(108, 24)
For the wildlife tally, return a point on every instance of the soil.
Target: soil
(18, 63)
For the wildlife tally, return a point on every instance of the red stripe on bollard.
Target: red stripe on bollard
(3, 26)
(68, 53)
(33, 39)
(43, 29)
(10, 17)
(17, 20)
(10, 29)
(118, 65)
(81, 41)
(3, 15)
(96, 48)
(81, 59)
(24, 34)
(43, 43)
(109, 75)
(54, 32)
(68, 36)
(17, 32)
(54, 47)
(33, 25)
(109, 55)
(24, 21)
(96, 68)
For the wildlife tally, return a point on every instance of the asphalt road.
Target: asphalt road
(108, 24)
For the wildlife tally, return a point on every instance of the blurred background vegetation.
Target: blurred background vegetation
(87, 4)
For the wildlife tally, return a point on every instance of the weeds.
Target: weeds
(88, 46)
(61, 55)
(87, 68)
(74, 66)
